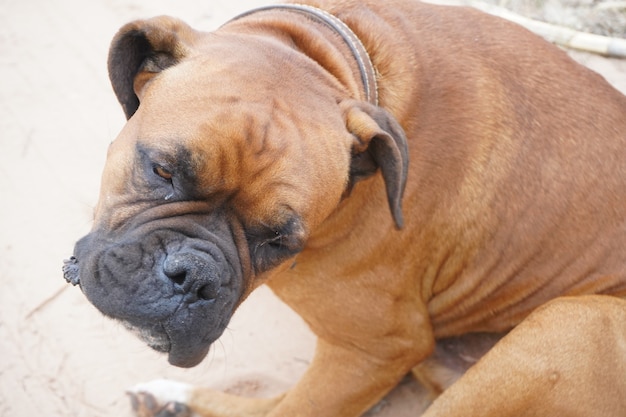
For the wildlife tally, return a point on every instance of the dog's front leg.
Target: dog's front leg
(371, 333)
(343, 381)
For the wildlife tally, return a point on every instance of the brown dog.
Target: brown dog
(271, 150)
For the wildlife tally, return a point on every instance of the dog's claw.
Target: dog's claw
(146, 405)
(160, 398)
(70, 270)
(174, 409)
(143, 404)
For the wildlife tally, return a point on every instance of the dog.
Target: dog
(413, 180)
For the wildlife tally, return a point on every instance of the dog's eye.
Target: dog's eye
(270, 245)
(276, 241)
(162, 172)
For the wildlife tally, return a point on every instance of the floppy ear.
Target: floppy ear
(380, 142)
(140, 50)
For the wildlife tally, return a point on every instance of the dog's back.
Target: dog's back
(517, 182)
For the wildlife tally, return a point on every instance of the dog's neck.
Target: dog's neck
(365, 66)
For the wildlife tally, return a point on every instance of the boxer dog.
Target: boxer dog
(411, 179)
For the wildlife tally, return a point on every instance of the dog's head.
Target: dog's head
(236, 148)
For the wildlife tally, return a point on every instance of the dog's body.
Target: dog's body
(253, 158)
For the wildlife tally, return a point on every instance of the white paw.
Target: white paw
(164, 390)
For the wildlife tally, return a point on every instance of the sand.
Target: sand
(58, 355)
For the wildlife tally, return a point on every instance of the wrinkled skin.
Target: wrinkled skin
(179, 286)
(195, 211)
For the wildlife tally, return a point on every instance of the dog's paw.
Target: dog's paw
(160, 398)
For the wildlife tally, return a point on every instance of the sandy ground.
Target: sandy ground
(58, 356)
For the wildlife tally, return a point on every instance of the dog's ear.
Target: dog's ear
(140, 50)
(380, 142)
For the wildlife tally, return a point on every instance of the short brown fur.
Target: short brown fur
(515, 196)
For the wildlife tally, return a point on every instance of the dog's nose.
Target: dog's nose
(194, 273)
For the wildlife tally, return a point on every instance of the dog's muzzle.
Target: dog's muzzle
(176, 292)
